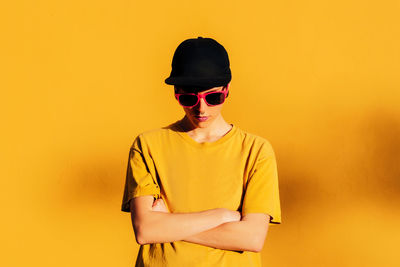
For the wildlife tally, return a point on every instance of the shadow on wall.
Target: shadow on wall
(94, 180)
(361, 162)
(380, 165)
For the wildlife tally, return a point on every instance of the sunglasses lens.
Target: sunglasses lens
(187, 100)
(215, 98)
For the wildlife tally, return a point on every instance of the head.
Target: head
(200, 65)
(202, 114)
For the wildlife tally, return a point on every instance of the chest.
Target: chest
(195, 179)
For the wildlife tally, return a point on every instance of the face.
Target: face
(202, 115)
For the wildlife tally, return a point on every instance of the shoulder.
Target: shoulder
(153, 133)
(160, 132)
(155, 136)
(258, 144)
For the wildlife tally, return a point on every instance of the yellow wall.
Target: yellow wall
(319, 79)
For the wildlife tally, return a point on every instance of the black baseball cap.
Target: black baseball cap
(200, 63)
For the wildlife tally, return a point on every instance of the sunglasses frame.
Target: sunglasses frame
(203, 95)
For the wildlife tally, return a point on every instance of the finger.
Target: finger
(156, 202)
(159, 202)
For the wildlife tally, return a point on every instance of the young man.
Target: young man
(201, 191)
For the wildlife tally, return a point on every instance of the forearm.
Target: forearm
(238, 236)
(160, 227)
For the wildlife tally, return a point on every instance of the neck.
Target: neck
(218, 127)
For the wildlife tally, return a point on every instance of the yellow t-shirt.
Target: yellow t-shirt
(237, 172)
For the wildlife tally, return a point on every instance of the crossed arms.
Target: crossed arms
(218, 228)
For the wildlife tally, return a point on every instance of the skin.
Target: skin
(159, 205)
(210, 130)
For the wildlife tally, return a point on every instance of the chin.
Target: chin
(200, 124)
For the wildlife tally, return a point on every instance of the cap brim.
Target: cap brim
(199, 81)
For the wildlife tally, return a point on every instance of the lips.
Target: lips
(201, 118)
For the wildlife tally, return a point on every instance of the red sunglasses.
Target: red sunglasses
(189, 100)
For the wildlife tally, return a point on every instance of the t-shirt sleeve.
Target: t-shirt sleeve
(262, 190)
(139, 180)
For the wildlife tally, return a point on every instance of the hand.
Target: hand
(159, 205)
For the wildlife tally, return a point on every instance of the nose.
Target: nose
(201, 106)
